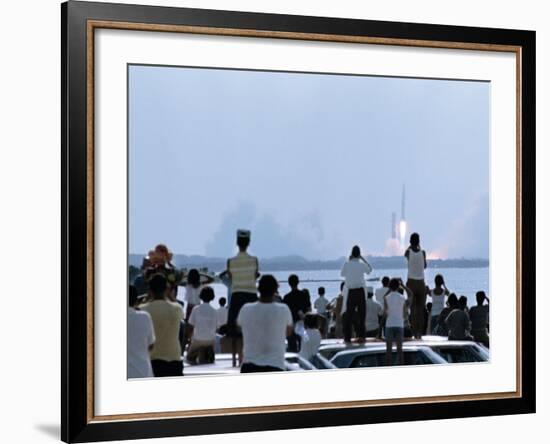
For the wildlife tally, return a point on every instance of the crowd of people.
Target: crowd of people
(260, 325)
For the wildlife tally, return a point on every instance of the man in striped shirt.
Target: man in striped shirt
(243, 272)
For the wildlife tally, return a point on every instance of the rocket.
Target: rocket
(403, 203)
(403, 222)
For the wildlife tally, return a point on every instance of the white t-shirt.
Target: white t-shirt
(379, 294)
(374, 309)
(438, 302)
(204, 319)
(222, 316)
(141, 336)
(396, 303)
(192, 295)
(416, 264)
(354, 272)
(311, 340)
(264, 332)
(320, 305)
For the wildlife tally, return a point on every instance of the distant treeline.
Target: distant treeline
(297, 263)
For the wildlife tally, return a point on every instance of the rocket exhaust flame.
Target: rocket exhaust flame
(402, 232)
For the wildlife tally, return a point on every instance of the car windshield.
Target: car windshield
(458, 354)
(328, 353)
(377, 359)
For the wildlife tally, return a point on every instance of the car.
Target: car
(321, 363)
(374, 355)
(223, 365)
(450, 350)
(329, 347)
(455, 351)
(294, 361)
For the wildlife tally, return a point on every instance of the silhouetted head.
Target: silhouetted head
(463, 302)
(222, 302)
(243, 239)
(415, 240)
(267, 286)
(157, 286)
(385, 281)
(480, 297)
(452, 301)
(293, 281)
(311, 321)
(321, 291)
(394, 284)
(132, 296)
(194, 278)
(439, 280)
(356, 252)
(145, 263)
(207, 294)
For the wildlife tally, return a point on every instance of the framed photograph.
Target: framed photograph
(275, 221)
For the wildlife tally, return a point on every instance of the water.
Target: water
(462, 281)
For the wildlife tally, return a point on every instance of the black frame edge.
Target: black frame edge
(74, 246)
(528, 212)
(64, 147)
(74, 426)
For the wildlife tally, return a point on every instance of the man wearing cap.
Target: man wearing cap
(243, 272)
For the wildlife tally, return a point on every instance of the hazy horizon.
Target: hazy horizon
(328, 259)
(312, 164)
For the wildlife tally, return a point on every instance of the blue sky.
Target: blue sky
(311, 163)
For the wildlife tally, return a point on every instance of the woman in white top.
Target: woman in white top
(395, 308)
(195, 281)
(416, 258)
(438, 295)
(192, 291)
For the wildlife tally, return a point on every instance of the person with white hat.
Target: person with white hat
(243, 270)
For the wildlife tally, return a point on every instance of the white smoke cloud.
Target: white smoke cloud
(303, 235)
(468, 236)
(392, 248)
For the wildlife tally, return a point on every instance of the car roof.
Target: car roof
(223, 365)
(428, 341)
(378, 348)
(444, 344)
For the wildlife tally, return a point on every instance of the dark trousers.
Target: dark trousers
(238, 299)
(323, 324)
(356, 309)
(293, 343)
(248, 367)
(167, 368)
(201, 353)
(418, 306)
